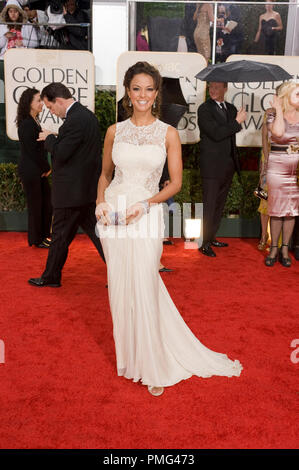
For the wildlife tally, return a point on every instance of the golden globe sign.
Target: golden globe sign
(257, 96)
(33, 68)
(183, 66)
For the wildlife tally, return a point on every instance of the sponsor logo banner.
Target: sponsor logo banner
(257, 96)
(179, 65)
(34, 68)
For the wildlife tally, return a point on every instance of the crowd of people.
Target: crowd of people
(196, 30)
(60, 25)
(44, 24)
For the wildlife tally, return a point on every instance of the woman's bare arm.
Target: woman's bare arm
(175, 167)
(277, 127)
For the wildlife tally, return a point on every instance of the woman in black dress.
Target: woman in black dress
(34, 169)
(269, 25)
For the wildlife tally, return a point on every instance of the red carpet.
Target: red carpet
(59, 388)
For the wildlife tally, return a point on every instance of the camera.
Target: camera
(56, 7)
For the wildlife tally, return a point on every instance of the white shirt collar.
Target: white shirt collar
(220, 102)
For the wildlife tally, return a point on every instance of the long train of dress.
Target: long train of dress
(153, 343)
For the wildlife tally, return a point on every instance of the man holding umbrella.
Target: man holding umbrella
(218, 122)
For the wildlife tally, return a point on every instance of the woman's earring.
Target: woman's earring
(130, 102)
(154, 105)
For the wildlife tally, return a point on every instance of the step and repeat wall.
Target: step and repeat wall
(34, 68)
(163, 33)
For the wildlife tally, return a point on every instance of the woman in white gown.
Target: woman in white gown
(153, 343)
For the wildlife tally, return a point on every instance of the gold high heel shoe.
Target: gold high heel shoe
(263, 242)
(155, 391)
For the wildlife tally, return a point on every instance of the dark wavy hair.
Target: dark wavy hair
(55, 90)
(24, 105)
(147, 69)
(19, 20)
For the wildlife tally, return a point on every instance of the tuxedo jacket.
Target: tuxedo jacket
(33, 157)
(76, 159)
(217, 139)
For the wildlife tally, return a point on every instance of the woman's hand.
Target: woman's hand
(135, 212)
(10, 35)
(241, 115)
(276, 103)
(44, 134)
(102, 211)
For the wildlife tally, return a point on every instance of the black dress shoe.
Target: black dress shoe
(43, 244)
(286, 262)
(165, 270)
(219, 244)
(40, 282)
(167, 242)
(207, 250)
(270, 260)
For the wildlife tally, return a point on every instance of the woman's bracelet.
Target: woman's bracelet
(146, 206)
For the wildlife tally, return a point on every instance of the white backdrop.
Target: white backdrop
(257, 96)
(36, 69)
(183, 66)
(109, 38)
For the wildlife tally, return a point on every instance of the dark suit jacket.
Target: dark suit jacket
(33, 158)
(76, 159)
(217, 139)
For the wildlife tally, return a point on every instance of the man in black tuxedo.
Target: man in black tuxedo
(76, 165)
(218, 122)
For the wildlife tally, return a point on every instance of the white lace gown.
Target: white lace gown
(153, 343)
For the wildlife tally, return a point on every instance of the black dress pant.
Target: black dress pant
(38, 196)
(215, 191)
(66, 222)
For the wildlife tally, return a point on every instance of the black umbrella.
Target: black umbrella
(174, 104)
(242, 71)
(173, 107)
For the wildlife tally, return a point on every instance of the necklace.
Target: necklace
(36, 120)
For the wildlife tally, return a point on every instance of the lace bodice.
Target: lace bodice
(139, 155)
(154, 134)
